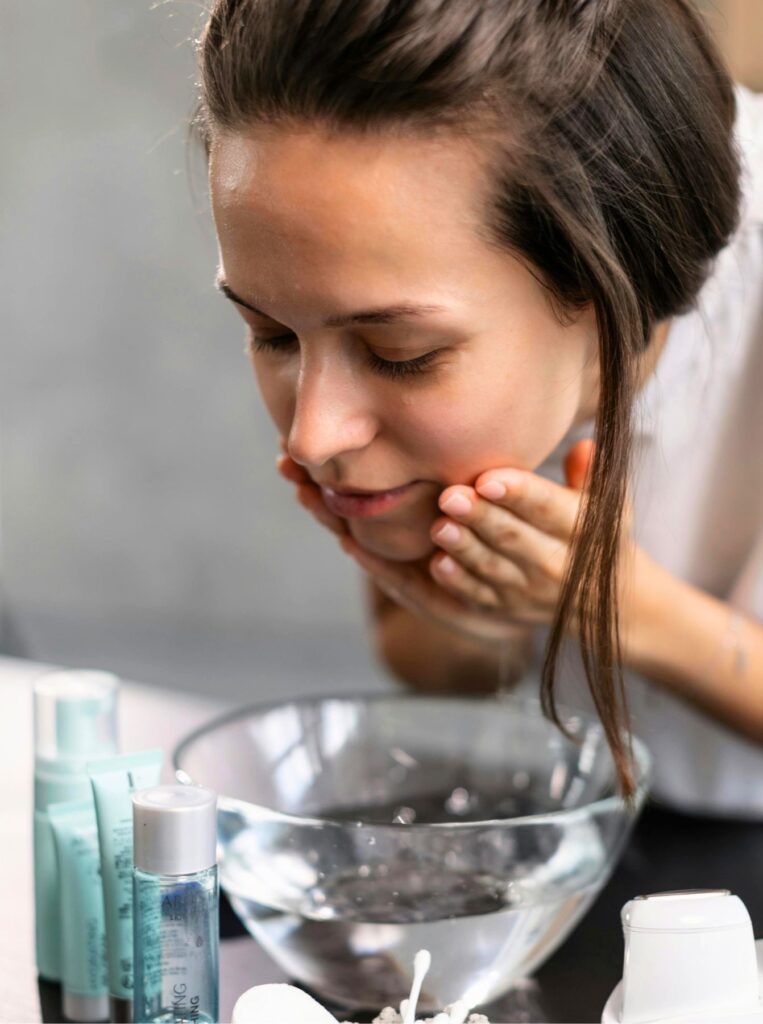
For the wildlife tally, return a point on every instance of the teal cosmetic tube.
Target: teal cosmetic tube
(113, 780)
(75, 719)
(82, 925)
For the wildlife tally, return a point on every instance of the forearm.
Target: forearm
(435, 659)
(428, 658)
(689, 642)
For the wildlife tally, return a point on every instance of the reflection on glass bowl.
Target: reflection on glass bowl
(354, 831)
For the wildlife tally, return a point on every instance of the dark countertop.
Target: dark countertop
(667, 851)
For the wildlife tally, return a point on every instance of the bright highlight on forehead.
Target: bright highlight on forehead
(406, 204)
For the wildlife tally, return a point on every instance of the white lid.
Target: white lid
(85, 1008)
(175, 829)
(685, 910)
(75, 715)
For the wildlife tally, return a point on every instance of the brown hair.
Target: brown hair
(614, 175)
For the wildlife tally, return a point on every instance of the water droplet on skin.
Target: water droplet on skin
(364, 870)
(404, 816)
(372, 841)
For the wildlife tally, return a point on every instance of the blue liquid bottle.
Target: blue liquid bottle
(175, 906)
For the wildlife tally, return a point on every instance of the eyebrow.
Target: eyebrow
(386, 315)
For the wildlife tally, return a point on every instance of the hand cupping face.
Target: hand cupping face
(507, 541)
(504, 542)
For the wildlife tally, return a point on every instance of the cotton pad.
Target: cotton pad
(274, 1004)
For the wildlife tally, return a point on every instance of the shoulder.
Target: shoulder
(725, 325)
(749, 137)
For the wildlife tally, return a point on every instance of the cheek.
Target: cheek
(512, 422)
(277, 393)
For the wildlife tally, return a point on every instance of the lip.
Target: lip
(356, 505)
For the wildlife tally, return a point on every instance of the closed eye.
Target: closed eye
(385, 367)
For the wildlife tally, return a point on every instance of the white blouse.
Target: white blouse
(698, 498)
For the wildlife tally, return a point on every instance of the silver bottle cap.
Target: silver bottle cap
(175, 829)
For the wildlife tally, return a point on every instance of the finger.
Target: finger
(503, 534)
(397, 576)
(550, 507)
(309, 497)
(291, 470)
(420, 594)
(578, 463)
(482, 559)
(455, 578)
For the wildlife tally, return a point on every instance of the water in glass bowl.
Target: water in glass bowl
(347, 916)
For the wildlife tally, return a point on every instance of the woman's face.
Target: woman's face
(314, 227)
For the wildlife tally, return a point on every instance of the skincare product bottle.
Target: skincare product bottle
(82, 927)
(689, 954)
(175, 905)
(114, 779)
(75, 719)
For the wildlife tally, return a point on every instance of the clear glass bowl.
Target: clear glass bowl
(354, 831)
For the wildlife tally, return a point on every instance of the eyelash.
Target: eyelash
(394, 370)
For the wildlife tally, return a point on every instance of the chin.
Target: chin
(396, 543)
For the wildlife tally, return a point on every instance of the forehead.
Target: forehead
(388, 200)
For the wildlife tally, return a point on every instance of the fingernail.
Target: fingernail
(446, 565)
(457, 505)
(449, 533)
(492, 489)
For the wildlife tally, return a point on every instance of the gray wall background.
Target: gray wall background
(144, 526)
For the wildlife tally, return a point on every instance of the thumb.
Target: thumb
(578, 462)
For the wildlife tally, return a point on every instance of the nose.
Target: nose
(333, 413)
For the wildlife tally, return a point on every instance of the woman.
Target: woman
(500, 264)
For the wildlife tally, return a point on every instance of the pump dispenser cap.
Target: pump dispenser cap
(75, 716)
(175, 829)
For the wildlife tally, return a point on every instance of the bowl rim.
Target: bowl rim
(642, 760)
